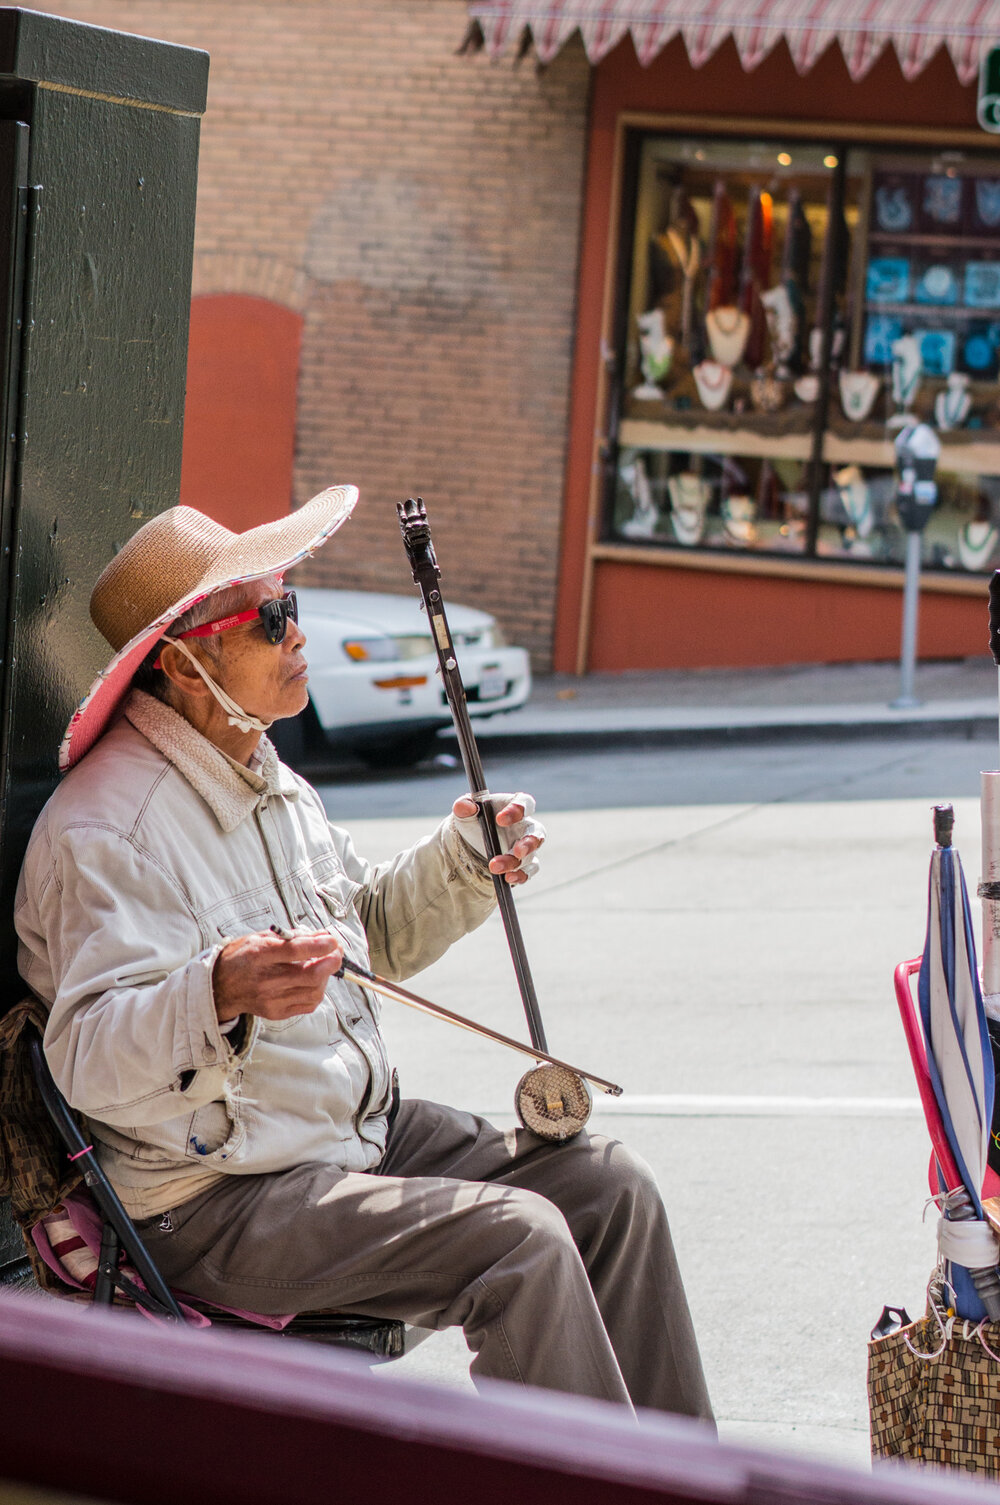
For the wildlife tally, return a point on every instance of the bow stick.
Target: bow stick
(426, 573)
(413, 1000)
(400, 994)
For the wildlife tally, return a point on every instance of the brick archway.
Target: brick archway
(239, 423)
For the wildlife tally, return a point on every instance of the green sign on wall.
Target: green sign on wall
(988, 103)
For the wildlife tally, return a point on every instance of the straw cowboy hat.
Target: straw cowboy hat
(174, 561)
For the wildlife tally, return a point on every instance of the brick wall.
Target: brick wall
(421, 210)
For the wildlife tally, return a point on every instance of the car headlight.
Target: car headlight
(481, 637)
(384, 649)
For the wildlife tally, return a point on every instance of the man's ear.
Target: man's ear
(181, 673)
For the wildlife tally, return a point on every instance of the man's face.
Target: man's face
(267, 679)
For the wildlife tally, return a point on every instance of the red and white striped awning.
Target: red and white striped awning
(863, 28)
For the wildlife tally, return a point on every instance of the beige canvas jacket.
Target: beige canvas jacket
(151, 854)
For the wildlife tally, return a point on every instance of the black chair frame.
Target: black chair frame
(382, 1338)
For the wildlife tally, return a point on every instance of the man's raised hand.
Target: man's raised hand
(520, 835)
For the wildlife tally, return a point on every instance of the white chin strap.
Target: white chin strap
(236, 715)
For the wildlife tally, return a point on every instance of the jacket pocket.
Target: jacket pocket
(234, 925)
(212, 1134)
(338, 895)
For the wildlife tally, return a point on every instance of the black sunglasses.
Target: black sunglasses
(275, 614)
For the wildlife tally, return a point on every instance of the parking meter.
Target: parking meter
(917, 450)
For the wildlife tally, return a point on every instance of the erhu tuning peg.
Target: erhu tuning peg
(416, 533)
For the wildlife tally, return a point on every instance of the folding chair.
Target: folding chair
(144, 1286)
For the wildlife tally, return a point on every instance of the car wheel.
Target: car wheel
(400, 752)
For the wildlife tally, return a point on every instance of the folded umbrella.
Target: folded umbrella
(959, 1066)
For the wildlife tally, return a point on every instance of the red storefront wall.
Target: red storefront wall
(622, 613)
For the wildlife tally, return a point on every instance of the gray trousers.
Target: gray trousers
(556, 1260)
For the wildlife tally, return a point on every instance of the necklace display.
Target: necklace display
(816, 346)
(782, 326)
(739, 521)
(977, 542)
(856, 499)
(643, 521)
(728, 329)
(905, 378)
(951, 407)
(858, 391)
(687, 250)
(768, 392)
(689, 498)
(657, 352)
(714, 382)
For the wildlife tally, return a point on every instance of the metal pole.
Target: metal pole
(989, 814)
(907, 697)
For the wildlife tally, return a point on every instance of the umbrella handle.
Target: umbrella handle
(918, 1056)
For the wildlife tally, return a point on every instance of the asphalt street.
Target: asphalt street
(717, 929)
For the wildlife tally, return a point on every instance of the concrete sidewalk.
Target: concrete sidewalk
(713, 705)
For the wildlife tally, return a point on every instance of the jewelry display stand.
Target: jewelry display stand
(687, 251)
(856, 499)
(905, 379)
(657, 352)
(806, 388)
(739, 521)
(977, 544)
(768, 393)
(689, 499)
(858, 391)
(714, 382)
(782, 327)
(642, 523)
(952, 406)
(728, 329)
(816, 347)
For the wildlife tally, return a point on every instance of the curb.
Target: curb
(496, 741)
(724, 734)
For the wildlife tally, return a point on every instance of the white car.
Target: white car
(374, 684)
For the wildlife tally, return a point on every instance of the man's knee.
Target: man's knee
(618, 1176)
(533, 1221)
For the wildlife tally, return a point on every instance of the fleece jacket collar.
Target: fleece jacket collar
(230, 791)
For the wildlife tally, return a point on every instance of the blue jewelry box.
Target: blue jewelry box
(982, 284)
(937, 351)
(936, 284)
(888, 279)
(880, 333)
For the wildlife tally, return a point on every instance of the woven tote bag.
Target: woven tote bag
(934, 1393)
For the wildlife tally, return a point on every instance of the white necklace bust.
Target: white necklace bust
(657, 353)
(689, 498)
(951, 407)
(714, 382)
(905, 378)
(728, 329)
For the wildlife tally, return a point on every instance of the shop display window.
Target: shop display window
(785, 308)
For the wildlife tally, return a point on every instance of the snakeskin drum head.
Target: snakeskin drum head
(553, 1102)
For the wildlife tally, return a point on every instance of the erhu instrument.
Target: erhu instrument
(373, 983)
(553, 1099)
